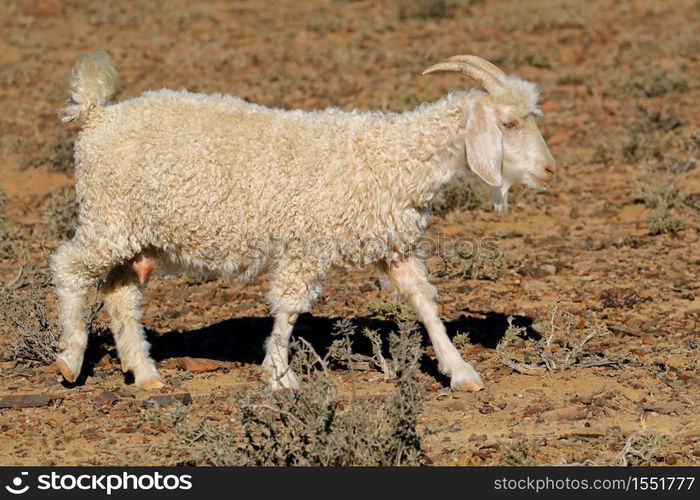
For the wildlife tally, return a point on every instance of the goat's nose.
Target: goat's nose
(549, 168)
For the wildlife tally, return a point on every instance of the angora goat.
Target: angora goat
(214, 182)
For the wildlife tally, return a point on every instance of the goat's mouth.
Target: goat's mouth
(539, 180)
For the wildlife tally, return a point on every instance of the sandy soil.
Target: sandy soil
(620, 96)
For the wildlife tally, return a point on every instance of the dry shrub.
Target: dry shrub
(424, 9)
(562, 347)
(644, 80)
(663, 195)
(390, 310)
(13, 241)
(315, 427)
(641, 448)
(454, 265)
(4, 240)
(60, 215)
(27, 332)
(3, 217)
(341, 352)
(57, 154)
(461, 194)
(603, 153)
(616, 298)
(662, 220)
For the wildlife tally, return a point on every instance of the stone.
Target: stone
(27, 400)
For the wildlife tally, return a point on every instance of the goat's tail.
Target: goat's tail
(91, 84)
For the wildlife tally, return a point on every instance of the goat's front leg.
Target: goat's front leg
(294, 287)
(410, 279)
(276, 362)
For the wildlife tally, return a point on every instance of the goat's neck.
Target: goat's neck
(430, 148)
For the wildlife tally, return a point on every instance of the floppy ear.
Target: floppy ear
(484, 143)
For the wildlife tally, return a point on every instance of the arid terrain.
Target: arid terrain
(600, 272)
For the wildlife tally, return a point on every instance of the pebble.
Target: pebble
(195, 365)
(533, 285)
(165, 399)
(105, 398)
(568, 413)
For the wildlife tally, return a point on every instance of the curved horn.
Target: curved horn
(482, 63)
(486, 79)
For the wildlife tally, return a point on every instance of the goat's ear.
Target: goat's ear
(484, 142)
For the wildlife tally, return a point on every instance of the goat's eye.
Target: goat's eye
(512, 124)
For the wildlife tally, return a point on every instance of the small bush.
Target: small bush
(603, 153)
(663, 195)
(561, 348)
(393, 311)
(26, 329)
(13, 244)
(342, 353)
(57, 154)
(3, 219)
(452, 264)
(641, 449)
(662, 220)
(60, 215)
(424, 9)
(570, 79)
(460, 194)
(315, 427)
(617, 298)
(647, 81)
(3, 202)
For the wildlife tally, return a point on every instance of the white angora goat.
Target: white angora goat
(214, 182)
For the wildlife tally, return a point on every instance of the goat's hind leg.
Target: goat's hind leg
(410, 279)
(122, 295)
(75, 268)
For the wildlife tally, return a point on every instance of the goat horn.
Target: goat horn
(480, 75)
(482, 63)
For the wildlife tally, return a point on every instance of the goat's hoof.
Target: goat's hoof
(151, 384)
(467, 386)
(67, 373)
(466, 380)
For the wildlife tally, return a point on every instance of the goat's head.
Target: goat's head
(503, 144)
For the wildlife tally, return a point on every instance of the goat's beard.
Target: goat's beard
(499, 197)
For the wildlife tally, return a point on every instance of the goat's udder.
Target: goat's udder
(142, 266)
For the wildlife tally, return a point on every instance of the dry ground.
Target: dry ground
(615, 238)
